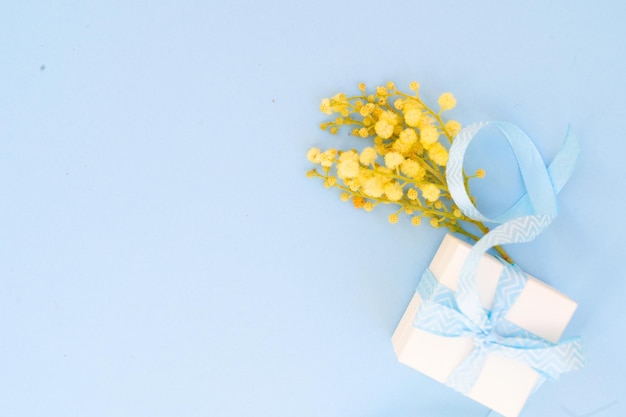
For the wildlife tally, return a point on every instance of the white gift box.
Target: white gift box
(504, 385)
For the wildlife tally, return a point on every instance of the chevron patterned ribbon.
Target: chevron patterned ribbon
(460, 314)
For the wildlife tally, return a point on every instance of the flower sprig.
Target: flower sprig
(405, 162)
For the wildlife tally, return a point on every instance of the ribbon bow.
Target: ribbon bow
(460, 314)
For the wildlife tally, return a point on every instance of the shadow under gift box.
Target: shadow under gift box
(504, 385)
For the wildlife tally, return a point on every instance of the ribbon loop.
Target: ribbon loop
(541, 183)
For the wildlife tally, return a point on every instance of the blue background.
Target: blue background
(163, 253)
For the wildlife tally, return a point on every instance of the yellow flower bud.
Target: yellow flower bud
(447, 101)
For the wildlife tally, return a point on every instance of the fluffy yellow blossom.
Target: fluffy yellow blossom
(412, 194)
(363, 132)
(348, 168)
(344, 196)
(362, 86)
(428, 136)
(447, 101)
(384, 129)
(408, 136)
(434, 223)
(368, 206)
(325, 106)
(415, 221)
(398, 104)
(368, 156)
(373, 186)
(328, 157)
(393, 218)
(480, 173)
(438, 154)
(390, 85)
(333, 130)
(412, 117)
(393, 159)
(313, 155)
(414, 85)
(353, 184)
(393, 191)
(339, 103)
(381, 92)
(453, 127)
(330, 181)
(457, 213)
(412, 169)
(358, 201)
(366, 110)
(425, 121)
(381, 149)
(401, 147)
(430, 192)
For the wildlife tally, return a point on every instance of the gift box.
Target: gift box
(502, 384)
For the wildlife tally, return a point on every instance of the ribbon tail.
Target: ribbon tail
(562, 166)
(549, 361)
(465, 375)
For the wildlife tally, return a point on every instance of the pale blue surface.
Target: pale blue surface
(163, 253)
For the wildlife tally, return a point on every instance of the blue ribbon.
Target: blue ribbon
(460, 314)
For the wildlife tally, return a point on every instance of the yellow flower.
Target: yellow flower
(438, 154)
(348, 169)
(447, 101)
(393, 191)
(408, 136)
(412, 169)
(480, 173)
(313, 155)
(366, 110)
(412, 194)
(373, 186)
(393, 159)
(384, 129)
(401, 147)
(453, 127)
(368, 156)
(368, 206)
(428, 136)
(363, 132)
(398, 104)
(414, 85)
(381, 92)
(358, 201)
(415, 221)
(362, 86)
(434, 223)
(425, 121)
(391, 85)
(327, 157)
(344, 196)
(412, 116)
(393, 218)
(430, 192)
(325, 106)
